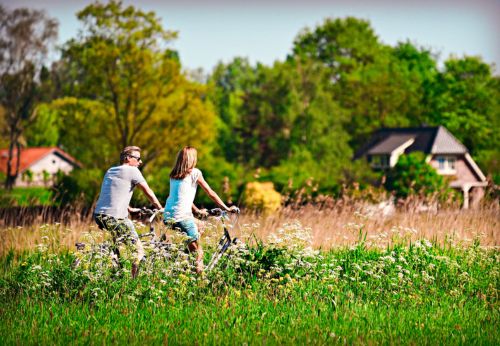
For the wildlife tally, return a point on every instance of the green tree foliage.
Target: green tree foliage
(343, 45)
(227, 178)
(379, 86)
(4, 141)
(467, 103)
(83, 121)
(228, 86)
(44, 132)
(383, 86)
(127, 89)
(267, 119)
(281, 116)
(420, 70)
(412, 175)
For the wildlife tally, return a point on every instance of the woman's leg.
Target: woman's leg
(194, 246)
(189, 227)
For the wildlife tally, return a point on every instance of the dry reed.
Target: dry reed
(330, 225)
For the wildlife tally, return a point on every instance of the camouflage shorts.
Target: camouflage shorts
(122, 230)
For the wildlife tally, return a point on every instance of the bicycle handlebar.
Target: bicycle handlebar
(212, 212)
(220, 212)
(151, 213)
(147, 211)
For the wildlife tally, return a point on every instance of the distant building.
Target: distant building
(38, 166)
(444, 152)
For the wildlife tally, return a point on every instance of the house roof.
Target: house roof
(390, 143)
(430, 140)
(30, 156)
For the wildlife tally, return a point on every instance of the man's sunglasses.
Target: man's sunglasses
(135, 157)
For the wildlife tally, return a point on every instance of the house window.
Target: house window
(446, 164)
(441, 163)
(380, 161)
(451, 163)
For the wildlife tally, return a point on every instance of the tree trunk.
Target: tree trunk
(8, 179)
(18, 163)
(12, 175)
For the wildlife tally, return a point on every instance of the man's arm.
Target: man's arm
(150, 194)
(133, 210)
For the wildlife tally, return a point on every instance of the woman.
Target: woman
(184, 179)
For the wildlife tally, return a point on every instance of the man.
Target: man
(111, 211)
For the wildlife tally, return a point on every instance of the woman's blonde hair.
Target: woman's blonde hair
(184, 163)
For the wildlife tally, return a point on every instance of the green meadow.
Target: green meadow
(281, 291)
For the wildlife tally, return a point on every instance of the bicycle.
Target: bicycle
(158, 249)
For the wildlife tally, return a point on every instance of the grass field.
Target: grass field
(26, 196)
(283, 286)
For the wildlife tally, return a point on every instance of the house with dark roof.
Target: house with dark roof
(444, 152)
(38, 166)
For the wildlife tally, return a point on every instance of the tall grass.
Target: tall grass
(331, 226)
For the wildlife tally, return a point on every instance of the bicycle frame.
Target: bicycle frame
(153, 214)
(224, 243)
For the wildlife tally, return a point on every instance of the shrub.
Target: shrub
(413, 176)
(81, 185)
(261, 196)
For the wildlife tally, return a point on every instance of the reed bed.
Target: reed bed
(330, 226)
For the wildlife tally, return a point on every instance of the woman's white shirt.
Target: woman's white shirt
(181, 197)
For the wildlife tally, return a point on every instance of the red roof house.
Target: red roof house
(38, 166)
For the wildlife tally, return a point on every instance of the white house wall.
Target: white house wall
(51, 163)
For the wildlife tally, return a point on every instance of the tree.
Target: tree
(467, 103)
(127, 88)
(377, 85)
(419, 71)
(228, 84)
(343, 45)
(25, 38)
(319, 142)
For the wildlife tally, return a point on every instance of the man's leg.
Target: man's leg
(111, 225)
(124, 230)
(137, 248)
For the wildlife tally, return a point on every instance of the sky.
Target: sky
(263, 31)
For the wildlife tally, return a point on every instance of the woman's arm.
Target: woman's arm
(213, 196)
(200, 212)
